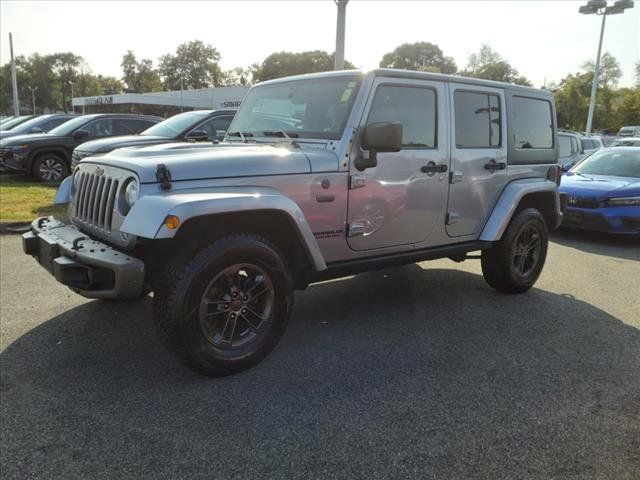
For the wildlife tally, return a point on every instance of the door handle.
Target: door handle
(431, 168)
(493, 165)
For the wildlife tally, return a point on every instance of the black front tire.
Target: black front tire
(50, 167)
(514, 264)
(194, 303)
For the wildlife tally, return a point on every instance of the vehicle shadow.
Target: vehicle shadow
(598, 243)
(380, 375)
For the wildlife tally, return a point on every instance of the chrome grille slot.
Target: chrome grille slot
(111, 202)
(95, 200)
(104, 196)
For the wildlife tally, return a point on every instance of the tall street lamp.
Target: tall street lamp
(340, 27)
(73, 109)
(600, 7)
(33, 98)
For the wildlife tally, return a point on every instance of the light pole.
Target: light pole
(14, 82)
(340, 27)
(73, 110)
(33, 98)
(599, 7)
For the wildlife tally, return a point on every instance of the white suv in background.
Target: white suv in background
(590, 144)
(629, 131)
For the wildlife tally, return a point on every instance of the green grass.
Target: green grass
(23, 199)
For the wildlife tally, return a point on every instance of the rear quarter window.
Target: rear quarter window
(531, 128)
(532, 123)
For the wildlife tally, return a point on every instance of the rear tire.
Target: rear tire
(514, 264)
(50, 167)
(225, 309)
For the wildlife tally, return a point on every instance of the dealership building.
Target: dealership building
(163, 103)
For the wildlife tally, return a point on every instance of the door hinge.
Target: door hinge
(452, 217)
(357, 181)
(455, 177)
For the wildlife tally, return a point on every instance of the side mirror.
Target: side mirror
(379, 137)
(567, 166)
(36, 130)
(80, 135)
(197, 135)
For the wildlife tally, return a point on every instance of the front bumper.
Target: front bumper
(619, 220)
(90, 268)
(13, 161)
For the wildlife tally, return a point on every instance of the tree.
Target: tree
(610, 72)
(140, 76)
(194, 63)
(282, 64)
(419, 56)
(65, 68)
(110, 85)
(572, 100)
(613, 108)
(628, 109)
(488, 64)
(237, 76)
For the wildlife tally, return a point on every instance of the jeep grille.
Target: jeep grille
(95, 200)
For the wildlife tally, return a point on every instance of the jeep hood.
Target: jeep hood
(188, 161)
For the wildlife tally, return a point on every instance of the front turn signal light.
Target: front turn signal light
(172, 222)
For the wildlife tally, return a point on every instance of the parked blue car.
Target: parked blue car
(603, 192)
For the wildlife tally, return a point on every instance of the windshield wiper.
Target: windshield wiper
(280, 133)
(243, 135)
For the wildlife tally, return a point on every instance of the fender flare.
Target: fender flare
(63, 194)
(146, 217)
(509, 200)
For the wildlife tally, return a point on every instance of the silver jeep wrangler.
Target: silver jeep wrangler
(319, 176)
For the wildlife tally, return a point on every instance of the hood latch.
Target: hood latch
(163, 175)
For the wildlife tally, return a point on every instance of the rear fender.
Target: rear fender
(508, 203)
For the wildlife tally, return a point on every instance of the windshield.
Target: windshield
(34, 122)
(16, 121)
(313, 108)
(174, 126)
(68, 127)
(619, 163)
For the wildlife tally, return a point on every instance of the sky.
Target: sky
(544, 40)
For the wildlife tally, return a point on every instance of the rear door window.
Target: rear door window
(477, 119)
(564, 146)
(532, 123)
(215, 127)
(100, 128)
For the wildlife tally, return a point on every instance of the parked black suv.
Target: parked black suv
(198, 125)
(39, 124)
(47, 156)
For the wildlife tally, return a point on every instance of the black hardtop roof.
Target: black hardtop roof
(125, 115)
(413, 74)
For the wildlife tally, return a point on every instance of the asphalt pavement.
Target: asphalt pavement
(414, 372)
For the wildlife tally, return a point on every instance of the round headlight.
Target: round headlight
(131, 193)
(76, 179)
